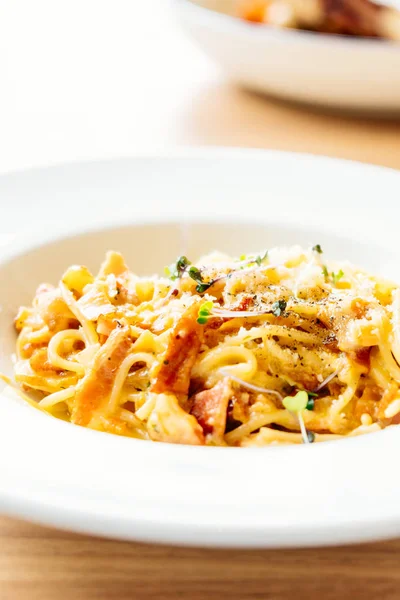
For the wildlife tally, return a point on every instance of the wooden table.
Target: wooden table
(43, 564)
(140, 84)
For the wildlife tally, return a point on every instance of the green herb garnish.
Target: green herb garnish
(196, 275)
(311, 400)
(260, 259)
(334, 276)
(297, 404)
(337, 276)
(310, 403)
(278, 307)
(317, 248)
(176, 270)
(204, 312)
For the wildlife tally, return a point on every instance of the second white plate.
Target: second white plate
(327, 70)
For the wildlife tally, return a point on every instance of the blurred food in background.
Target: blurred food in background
(362, 18)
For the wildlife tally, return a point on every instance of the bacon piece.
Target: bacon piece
(368, 403)
(186, 338)
(29, 349)
(39, 362)
(246, 302)
(362, 356)
(94, 390)
(210, 408)
(331, 343)
(359, 307)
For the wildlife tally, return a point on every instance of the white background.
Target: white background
(104, 78)
(93, 78)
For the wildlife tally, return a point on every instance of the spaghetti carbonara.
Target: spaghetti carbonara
(276, 348)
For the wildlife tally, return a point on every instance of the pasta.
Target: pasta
(278, 348)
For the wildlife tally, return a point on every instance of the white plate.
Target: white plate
(329, 70)
(59, 474)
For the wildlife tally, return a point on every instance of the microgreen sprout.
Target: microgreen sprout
(279, 307)
(317, 248)
(311, 400)
(297, 404)
(204, 312)
(202, 286)
(177, 269)
(256, 260)
(260, 259)
(183, 265)
(337, 276)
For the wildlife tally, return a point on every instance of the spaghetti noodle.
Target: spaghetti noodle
(278, 348)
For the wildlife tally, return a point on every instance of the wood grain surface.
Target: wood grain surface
(155, 89)
(44, 564)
